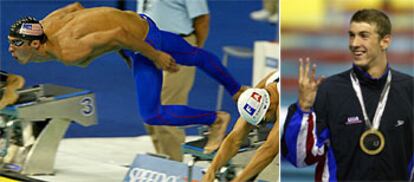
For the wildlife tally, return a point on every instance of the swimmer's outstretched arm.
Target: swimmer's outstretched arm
(113, 39)
(264, 155)
(161, 59)
(65, 10)
(228, 148)
(119, 38)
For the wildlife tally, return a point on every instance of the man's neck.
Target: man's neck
(44, 54)
(378, 68)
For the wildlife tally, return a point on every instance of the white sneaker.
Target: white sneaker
(273, 18)
(259, 15)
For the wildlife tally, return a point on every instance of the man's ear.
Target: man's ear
(35, 44)
(385, 42)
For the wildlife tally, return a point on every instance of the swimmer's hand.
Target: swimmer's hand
(9, 98)
(209, 176)
(165, 62)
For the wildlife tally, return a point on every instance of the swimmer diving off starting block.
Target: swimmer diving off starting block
(75, 35)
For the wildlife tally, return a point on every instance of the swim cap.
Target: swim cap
(253, 105)
(27, 28)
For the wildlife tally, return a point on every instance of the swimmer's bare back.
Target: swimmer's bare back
(80, 36)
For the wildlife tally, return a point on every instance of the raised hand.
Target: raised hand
(308, 85)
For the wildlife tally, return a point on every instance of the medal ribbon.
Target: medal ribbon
(381, 104)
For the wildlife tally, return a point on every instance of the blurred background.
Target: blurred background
(318, 29)
(112, 81)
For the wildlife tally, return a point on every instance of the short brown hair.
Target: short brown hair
(373, 16)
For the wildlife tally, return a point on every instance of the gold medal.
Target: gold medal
(372, 142)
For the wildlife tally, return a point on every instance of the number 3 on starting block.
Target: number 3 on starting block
(88, 106)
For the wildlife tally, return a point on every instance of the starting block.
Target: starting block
(31, 129)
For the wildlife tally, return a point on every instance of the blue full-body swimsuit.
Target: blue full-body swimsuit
(149, 79)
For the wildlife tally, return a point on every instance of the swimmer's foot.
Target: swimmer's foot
(217, 131)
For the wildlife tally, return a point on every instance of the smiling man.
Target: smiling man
(356, 125)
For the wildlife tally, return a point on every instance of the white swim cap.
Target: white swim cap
(253, 105)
